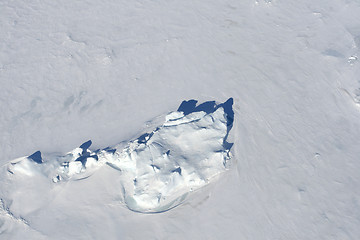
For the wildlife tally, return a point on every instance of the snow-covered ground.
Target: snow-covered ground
(110, 71)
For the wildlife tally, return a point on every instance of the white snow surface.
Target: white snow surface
(111, 70)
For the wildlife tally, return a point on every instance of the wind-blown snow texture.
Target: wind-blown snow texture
(74, 71)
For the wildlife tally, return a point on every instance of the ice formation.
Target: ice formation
(157, 170)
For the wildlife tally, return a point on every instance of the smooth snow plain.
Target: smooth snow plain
(110, 71)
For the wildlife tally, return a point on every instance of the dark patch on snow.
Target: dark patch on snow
(85, 146)
(229, 111)
(188, 107)
(113, 166)
(178, 170)
(58, 178)
(227, 106)
(36, 157)
(155, 166)
(85, 154)
(110, 150)
(145, 137)
(208, 107)
(84, 158)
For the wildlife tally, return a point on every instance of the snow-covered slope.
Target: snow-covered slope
(104, 71)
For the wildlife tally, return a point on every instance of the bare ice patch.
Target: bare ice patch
(159, 169)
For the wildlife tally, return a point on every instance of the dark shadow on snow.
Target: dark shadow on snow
(188, 107)
(85, 146)
(85, 154)
(36, 157)
(143, 138)
(110, 150)
(177, 170)
(229, 120)
(208, 107)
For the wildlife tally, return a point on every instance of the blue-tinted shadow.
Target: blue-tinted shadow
(36, 157)
(188, 107)
(85, 154)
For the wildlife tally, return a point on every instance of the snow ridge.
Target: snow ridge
(157, 170)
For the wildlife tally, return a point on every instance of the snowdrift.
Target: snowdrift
(155, 172)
